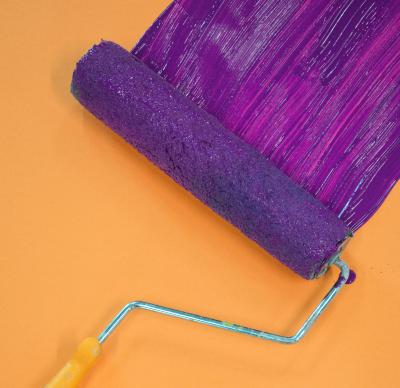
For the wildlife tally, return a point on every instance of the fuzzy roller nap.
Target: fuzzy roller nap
(194, 149)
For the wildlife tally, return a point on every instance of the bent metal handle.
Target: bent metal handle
(88, 351)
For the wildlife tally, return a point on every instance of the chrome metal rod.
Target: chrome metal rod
(343, 276)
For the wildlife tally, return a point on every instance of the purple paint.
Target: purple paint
(352, 277)
(210, 161)
(312, 85)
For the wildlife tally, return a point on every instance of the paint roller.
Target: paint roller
(221, 170)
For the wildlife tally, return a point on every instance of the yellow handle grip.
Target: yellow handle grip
(75, 369)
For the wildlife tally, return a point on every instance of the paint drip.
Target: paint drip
(312, 85)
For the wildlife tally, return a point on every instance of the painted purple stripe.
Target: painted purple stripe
(313, 85)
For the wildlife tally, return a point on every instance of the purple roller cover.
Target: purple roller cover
(200, 154)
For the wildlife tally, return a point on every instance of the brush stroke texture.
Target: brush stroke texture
(313, 85)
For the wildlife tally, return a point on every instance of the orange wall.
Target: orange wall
(87, 224)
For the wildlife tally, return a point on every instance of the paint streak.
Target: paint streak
(313, 85)
(352, 277)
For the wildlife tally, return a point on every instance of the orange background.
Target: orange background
(88, 224)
